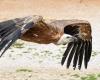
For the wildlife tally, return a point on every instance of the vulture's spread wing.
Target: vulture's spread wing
(38, 30)
(81, 46)
(11, 30)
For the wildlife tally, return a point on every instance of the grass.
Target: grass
(25, 51)
(18, 45)
(94, 53)
(99, 75)
(89, 77)
(75, 75)
(23, 70)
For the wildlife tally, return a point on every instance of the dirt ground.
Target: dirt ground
(49, 9)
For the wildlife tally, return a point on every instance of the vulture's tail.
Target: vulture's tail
(11, 30)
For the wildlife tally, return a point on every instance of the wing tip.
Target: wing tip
(77, 56)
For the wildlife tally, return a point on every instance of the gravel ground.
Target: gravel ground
(28, 61)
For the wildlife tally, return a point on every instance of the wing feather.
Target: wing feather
(81, 32)
(80, 57)
(11, 30)
(71, 54)
(66, 52)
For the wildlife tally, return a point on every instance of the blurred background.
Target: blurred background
(31, 59)
(55, 9)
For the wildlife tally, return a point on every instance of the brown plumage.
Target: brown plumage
(36, 29)
(42, 33)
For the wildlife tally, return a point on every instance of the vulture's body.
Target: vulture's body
(36, 29)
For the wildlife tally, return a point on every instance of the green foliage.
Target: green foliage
(75, 75)
(23, 70)
(98, 75)
(94, 53)
(18, 45)
(83, 78)
(89, 77)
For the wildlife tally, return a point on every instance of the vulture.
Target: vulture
(39, 30)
